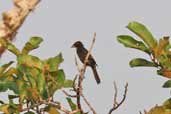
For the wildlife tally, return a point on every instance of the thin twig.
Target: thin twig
(117, 105)
(145, 112)
(115, 95)
(88, 104)
(75, 111)
(74, 83)
(67, 94)
(81, 75)
(76, 63)
(88, 54)
(140, 112)
(54, 104)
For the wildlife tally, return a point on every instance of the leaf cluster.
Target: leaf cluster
(159, 52)
(31, 79)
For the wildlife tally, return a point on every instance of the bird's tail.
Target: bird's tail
(96, 76)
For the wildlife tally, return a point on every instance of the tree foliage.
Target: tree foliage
(159, 52)
(31, 79)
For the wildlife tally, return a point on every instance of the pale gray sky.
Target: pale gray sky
(62, 22)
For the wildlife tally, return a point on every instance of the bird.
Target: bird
(82, 53)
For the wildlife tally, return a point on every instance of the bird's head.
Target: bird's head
(77, 44)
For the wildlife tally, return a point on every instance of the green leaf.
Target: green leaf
(140, 30)
(10, 108)
(52, 63)
(1, 102)
(51, 110)
(163, 46)
(33, 43)
(30, 61)
(36, 80)
(129, 41)
(164, 73)
(27, 75)
(9, 75)
(42, 86)
(8, 45)
(3, 42)
(138, 62)
(159, 110)
(13, 49)
(23, 93)
(4, 67)
(68, 83)
(57, 80)
(29, 112)
(167, 84)
(5, 108)
(72, 105)
(167, 104)
(12, 96)
(60, 76)
(5, 85)
(163, 60)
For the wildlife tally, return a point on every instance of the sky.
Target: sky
(62, 22)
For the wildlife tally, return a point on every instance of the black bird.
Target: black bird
(82, 53)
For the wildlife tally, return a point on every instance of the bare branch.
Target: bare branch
(140, 112)
(88, 54)
(145, 112)
(88, 104)
(74, 83)
(13, 19)
(67, 94)
(74, 112)
(115, 104)
(52, 103)
(81, 75)
(115, 95)
(76, 63)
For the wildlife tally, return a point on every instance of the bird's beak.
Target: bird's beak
(73, 46)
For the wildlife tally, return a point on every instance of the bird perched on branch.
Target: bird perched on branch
(82, 53)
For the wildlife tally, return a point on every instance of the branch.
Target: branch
(67, 94)
(140, 112)
(14, 18)
(78, 88)
(115, 104)
(145, 112)
(52, 103)
(88, 104)
(115, 95)
(76, 63)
